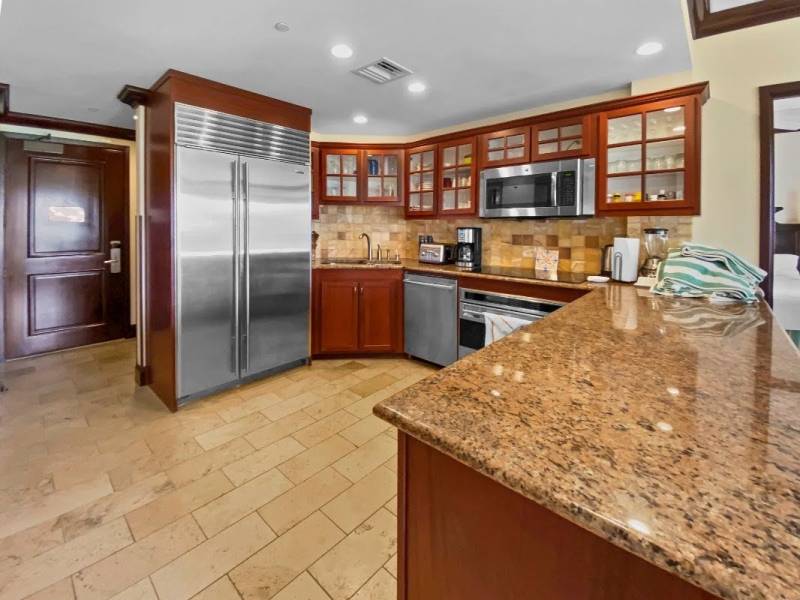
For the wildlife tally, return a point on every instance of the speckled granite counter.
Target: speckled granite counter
(670, 428)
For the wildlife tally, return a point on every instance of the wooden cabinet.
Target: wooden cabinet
(339, 180)
(565, 138)
(648, 159)
(457, 177)
(506, 147)
(354, 175)
(357, 311)
(421, 182)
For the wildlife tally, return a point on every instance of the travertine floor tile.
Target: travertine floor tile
(381, 586)
(58, 591)
(366, 458)
(373, 384)
(262, 460)
(226, 510)
(331, 404)
(270, 570)
(222, 589)
(364, 430)
(200, 567)
(391, 565)
(324, 428)
(141, 591)
(352, 507)
(343, 570)
(269, 434)
(26, 544)
(226, 433)
(313, 460)
(170, 507)
(46, 569)
(195, 468)
(291, 405)
(302, 588)
(287, 510)
(135, 562)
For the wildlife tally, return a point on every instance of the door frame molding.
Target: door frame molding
(128, 329)
(766, 98)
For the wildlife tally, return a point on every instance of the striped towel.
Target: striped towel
(708, 320)
(695, 271)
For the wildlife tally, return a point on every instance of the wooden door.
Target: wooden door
(378, 315)
(566, 138)
(337, 315)
(64, 210)
(421, 182)
(457, 177)
(506, 147)
(383, 176)
(339, 181)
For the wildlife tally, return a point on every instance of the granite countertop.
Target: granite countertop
(669, 427)
(517, 275)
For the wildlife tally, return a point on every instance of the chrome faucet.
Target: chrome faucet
(380, 257)
(369, 245)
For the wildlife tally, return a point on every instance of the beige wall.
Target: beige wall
(736, 64)
(65, 135)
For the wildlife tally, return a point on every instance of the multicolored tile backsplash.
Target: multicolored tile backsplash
(506, 242)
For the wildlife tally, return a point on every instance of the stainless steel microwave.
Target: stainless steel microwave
(559, 188)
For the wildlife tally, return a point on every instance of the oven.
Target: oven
(560, 188)
(473, 304)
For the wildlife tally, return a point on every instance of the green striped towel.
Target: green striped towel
(695, 271)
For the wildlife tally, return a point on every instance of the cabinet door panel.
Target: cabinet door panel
(338, 316)
(378, 316)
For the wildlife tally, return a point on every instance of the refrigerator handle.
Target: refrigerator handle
(235, 324)
(246, 249)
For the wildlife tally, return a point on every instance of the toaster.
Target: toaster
(441, 254)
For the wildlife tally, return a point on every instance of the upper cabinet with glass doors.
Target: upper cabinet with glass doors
(506, 147)
(354, 176)
(421, 178)
(648, 159)
(565, 138)
(457, 177)
(339, 177)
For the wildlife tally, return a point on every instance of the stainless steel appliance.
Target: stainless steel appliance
(560, 188)
(656, 242)
(439, 254)
(472, 304)
(468, 248)
(430, 318)
(243, 260)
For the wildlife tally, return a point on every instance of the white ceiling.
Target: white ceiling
(69, 58)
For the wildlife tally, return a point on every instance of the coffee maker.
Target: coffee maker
(468, 248)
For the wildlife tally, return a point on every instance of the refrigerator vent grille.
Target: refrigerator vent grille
(203, 128)
(382, 70)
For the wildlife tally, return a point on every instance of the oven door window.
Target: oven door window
(522, 191)
(471, 334)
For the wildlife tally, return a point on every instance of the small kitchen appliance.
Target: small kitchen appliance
(625, 260)
(440, 254)
(468, 249)
(656, 241)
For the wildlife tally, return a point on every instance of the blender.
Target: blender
(655, 243)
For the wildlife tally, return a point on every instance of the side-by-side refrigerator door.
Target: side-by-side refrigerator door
(277, 264)
(207, 295)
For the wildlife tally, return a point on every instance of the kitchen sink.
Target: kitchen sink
(357, 261)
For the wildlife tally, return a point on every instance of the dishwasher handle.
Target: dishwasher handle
(433, 285)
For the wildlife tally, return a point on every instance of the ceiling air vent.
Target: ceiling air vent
(382, 70)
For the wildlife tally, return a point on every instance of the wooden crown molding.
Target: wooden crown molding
(702, 90)
(43, 122)
(705, 23)
(134, 96)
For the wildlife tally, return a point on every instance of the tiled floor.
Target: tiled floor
(282, 489)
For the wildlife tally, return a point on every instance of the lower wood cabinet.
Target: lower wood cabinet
(357, 311)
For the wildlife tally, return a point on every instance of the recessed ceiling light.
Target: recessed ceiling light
(360, 119)
(281, 26)
(416, 87)
(342, 51)
(672, 109)
(649, 48)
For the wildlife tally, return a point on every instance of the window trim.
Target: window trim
(706, 23)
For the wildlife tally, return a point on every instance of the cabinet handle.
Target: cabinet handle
(355, 290)
(361, 290)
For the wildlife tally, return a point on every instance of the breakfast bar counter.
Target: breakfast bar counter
(628, 446)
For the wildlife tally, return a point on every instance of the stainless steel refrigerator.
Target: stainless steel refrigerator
(243, 227)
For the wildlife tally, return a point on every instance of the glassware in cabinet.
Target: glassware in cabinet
(457, 177)
(382, 169)
(339, 175)
(421, 163)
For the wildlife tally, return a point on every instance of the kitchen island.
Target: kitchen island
(628, 446)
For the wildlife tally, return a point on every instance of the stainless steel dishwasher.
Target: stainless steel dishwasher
(431, 318)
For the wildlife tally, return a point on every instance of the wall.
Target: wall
(131, 187)
(736, 64)
(787, 177)
(506, 242)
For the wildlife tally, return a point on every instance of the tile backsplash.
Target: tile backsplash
(506, 242)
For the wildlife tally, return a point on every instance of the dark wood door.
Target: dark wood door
(338, 316)
(378, 315)
(63, 212)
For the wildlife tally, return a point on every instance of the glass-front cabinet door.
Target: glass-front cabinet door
(383, 171)
(507, 147)
(648, 160)
(421, 168)
(457, 177)
(339, 180)
(565, 138)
